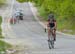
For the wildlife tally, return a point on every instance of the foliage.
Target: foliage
(4, 46)
(21, 1)
(0, 27)
(64, 11)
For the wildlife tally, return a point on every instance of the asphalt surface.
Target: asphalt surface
(32, 36)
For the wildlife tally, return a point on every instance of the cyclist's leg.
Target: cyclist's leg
(48, 33)
(54, 34)
(18, 19)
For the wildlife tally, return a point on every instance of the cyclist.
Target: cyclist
(19, 14)
(51, 23)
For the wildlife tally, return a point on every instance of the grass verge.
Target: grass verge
(4, 46)
(0, 27)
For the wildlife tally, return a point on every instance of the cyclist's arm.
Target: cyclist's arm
(47, 24)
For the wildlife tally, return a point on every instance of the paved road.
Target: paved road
(31, 35)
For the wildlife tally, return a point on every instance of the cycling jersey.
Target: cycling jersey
(51, 23)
